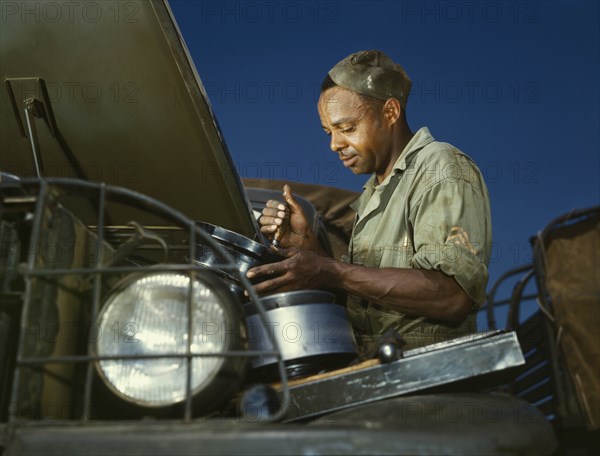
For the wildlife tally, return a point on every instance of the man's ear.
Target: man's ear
(392, 110)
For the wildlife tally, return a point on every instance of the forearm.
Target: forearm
(417, 292)
(412, 291)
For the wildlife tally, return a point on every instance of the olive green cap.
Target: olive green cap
(374, 74)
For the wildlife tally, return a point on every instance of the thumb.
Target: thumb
(290, 200)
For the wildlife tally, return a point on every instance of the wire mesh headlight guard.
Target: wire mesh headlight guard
(49, 193)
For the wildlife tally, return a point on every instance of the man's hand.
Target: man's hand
(298, 234)
(302, 269)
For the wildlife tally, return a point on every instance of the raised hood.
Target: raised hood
(118, 100)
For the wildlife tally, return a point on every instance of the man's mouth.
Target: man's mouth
(349, 160)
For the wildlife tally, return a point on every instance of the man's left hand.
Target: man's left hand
(301, 269)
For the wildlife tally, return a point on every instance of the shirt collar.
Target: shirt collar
(421, 138)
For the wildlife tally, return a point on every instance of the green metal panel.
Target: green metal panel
(127, 102)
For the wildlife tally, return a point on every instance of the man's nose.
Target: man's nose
(337, 144)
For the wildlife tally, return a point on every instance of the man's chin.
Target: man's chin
(357, 170)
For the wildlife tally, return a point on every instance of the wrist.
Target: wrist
(329, 272)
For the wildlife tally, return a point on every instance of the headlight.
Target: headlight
(148, 315)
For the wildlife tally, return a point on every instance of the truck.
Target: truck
(128, 326)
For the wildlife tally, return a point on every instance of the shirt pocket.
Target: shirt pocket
(394, 256)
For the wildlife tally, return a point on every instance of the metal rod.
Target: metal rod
(13, 102)
(490, 301)
(190, 329)
(503, 302)
(110, 270)
(31, 360)
(31, 260)
(33, 139)
(515, 302)
(95, 301)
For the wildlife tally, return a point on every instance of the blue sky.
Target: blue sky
(514, 84)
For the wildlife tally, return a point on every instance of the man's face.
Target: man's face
(358, 131)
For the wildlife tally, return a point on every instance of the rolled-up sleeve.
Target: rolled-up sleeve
(452, 232)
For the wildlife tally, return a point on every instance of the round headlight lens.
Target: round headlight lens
(149, 316)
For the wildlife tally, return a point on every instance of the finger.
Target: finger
(289, 198)
(270, 212)
(270, 285)
(273, 203)
(268, 229)
(266, 221)
(265, 269)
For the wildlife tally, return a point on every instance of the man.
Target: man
(417, 260)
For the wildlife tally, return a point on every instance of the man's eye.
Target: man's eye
(348, 130)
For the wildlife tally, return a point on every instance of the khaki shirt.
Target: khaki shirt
(432, 212)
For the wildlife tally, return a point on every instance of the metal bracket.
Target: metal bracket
(44, 106)
(420, 369)
(38, 106)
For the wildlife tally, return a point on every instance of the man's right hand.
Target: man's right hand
(298, 233)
